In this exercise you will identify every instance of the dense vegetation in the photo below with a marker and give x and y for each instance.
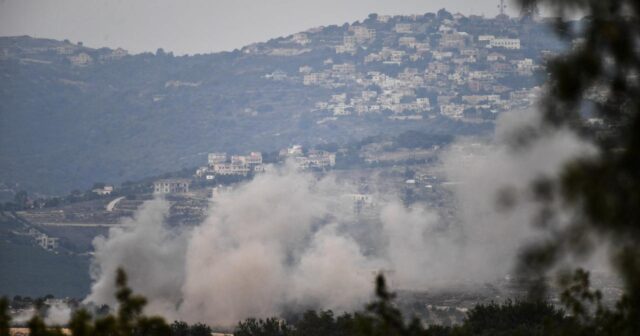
(381, 317)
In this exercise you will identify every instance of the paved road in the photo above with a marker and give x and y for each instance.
(113, 203)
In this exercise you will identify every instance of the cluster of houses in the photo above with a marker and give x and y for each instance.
(313, 159)
(445, 68)
(76, 54)
(463, 72)
(220, 164)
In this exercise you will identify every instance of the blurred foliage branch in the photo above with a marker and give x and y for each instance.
(594, 89)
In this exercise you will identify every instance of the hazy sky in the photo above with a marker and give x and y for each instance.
(201, 26)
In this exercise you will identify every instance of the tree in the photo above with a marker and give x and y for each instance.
(519, 318)
(4, 317)
(260, 327)
(602, 190)
(442, 14)
(200, 329)
(38, 328)
(81, 324)
(314, 324)
(389, 320)
(179, 328)
(128, 321)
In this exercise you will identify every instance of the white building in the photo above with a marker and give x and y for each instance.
(254, 158)
(81, 59)
(300, 38)
(453, 111)
(341, 109)
(314, 78)
(346, 68)
(403, 28)
(305, 69)
(363, 34)
(317, 160)
(295, 150)
(407, 41)
(231, 169)
(346, 49)
(214, 158)
(220, 190)
(171, 186)
(494, 57)
(423, 103)
(525, 66)
(507, 43)
(46, 242)
(486, 38)
(106, 190)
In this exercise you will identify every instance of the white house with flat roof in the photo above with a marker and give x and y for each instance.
(171, 186)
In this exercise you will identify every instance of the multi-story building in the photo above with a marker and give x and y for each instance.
(507, 43)
(316, 160)
(403, 28)
(46, 242)
(363, 34)
(214, 158)
(81, 59)
(254, 158)
(171, 186)
(231, 169)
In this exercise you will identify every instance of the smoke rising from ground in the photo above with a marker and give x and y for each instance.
(287, 240)
(58, 314)
(54, 313)
(152, 255)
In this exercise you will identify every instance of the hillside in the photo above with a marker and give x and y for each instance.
(72, 115)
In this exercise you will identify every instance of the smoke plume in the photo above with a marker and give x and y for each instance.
(288, 240)
(58, 314)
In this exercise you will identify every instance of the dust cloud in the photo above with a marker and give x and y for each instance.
(290, 240)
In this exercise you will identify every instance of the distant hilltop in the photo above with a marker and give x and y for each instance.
(73, 115)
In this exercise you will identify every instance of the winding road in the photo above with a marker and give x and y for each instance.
(113, 203)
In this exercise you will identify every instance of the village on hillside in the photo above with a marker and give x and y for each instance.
(422, 66)
(384, 70)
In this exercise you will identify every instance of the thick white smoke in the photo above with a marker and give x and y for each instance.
(58, 314)
(55, 313)
(490, 239)
(150, 253)
(288, 240)
(270, 243)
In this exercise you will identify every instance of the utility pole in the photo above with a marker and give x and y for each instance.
(501, 7)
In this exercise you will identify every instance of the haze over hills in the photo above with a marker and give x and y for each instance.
(72, 115)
